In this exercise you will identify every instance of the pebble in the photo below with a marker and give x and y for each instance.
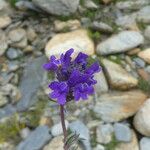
(124, 41)
(147, 32)
(99, 147)
(4, 21)
(145, 55)
(12, 53)
(142, 119)
(31, 35)
(145, 143)
(139, 62)
(3, 100)
(122, 132)
(25, 133)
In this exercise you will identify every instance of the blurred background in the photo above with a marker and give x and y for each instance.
(114, 32)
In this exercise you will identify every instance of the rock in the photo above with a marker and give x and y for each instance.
(139, 62)
(101, 86)
(116, 106)
(46, 120)
(55, 144)
(145, 55)
(57, 129)
(143, 14)
(134, 51)
(7, 111)
(118, 77)
(59, 7)
(122, 132)
(78, 40)
(142, 119)
(3, 43)
(31, 82)
(89, 4)
(133, 145)
(66, 25)
(36, 140)
(82, 130)
(12, 53)
(143, 74)
(147, 32)
(16, 35)
(99, 147)
(106, 1)
(148, 69)
(22, 44)
(7, 146)
(3, 100)
(101, 26)
(4, 21)
(145, 143)
(132, 5)
(31, 35)
(25, 133)
(104, 133)
(124, 41)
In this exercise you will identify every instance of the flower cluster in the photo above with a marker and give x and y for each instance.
(75, 79)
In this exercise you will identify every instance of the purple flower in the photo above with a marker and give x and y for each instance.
(74, 77)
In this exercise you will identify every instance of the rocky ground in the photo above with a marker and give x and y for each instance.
(114, 32)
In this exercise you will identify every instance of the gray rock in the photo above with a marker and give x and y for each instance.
(101, 26)
(122, 132)
(3, 100)
(36, 140)
(31, 82)
(148, 69)
(12, 53)
(57, 129)
(104, 133)
(116, 106)
(143, 14)
(147, 32)
(132, 5)
(3, 43)
(59, 7)
(101, 86)
(139, 62)
(145, 143)
(8, 110)
(80, 128)
(124, 41)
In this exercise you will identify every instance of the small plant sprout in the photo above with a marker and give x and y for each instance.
(75, 81)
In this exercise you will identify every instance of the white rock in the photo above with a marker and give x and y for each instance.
(118, 77)
(145, 143)
(124, 41)
(142, 119)
(4, 21)
(57, 129)
(78, 40)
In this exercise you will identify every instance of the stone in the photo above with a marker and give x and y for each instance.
(12, 53)
(31, 35)
(104, 133)
(78, 40)
(132, 5)
(145, 55)
(142, 119)
(16, 35)
(59, 7)
(99, 147)
(147, 32)
(5, 21)
(106, 1)
(143, 74)
(101, 86)
(3, 100)
(7, 146)
(66, 25)
(57, 129)
(101, 26)
(55, 144)
(134, 51)
(30, 83)
(124, 41)
(148, 69)
(7, 111)
(36, 140)
(25, 133)
(143, 15)
(89, 4)
(46, 120)
(79, 128)
(132, 145)
(118, 77)
(116, 106)
(139, 62)
(122, 132)
(3, 42)
(145, 143)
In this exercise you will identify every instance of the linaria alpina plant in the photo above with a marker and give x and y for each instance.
(75, 81)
